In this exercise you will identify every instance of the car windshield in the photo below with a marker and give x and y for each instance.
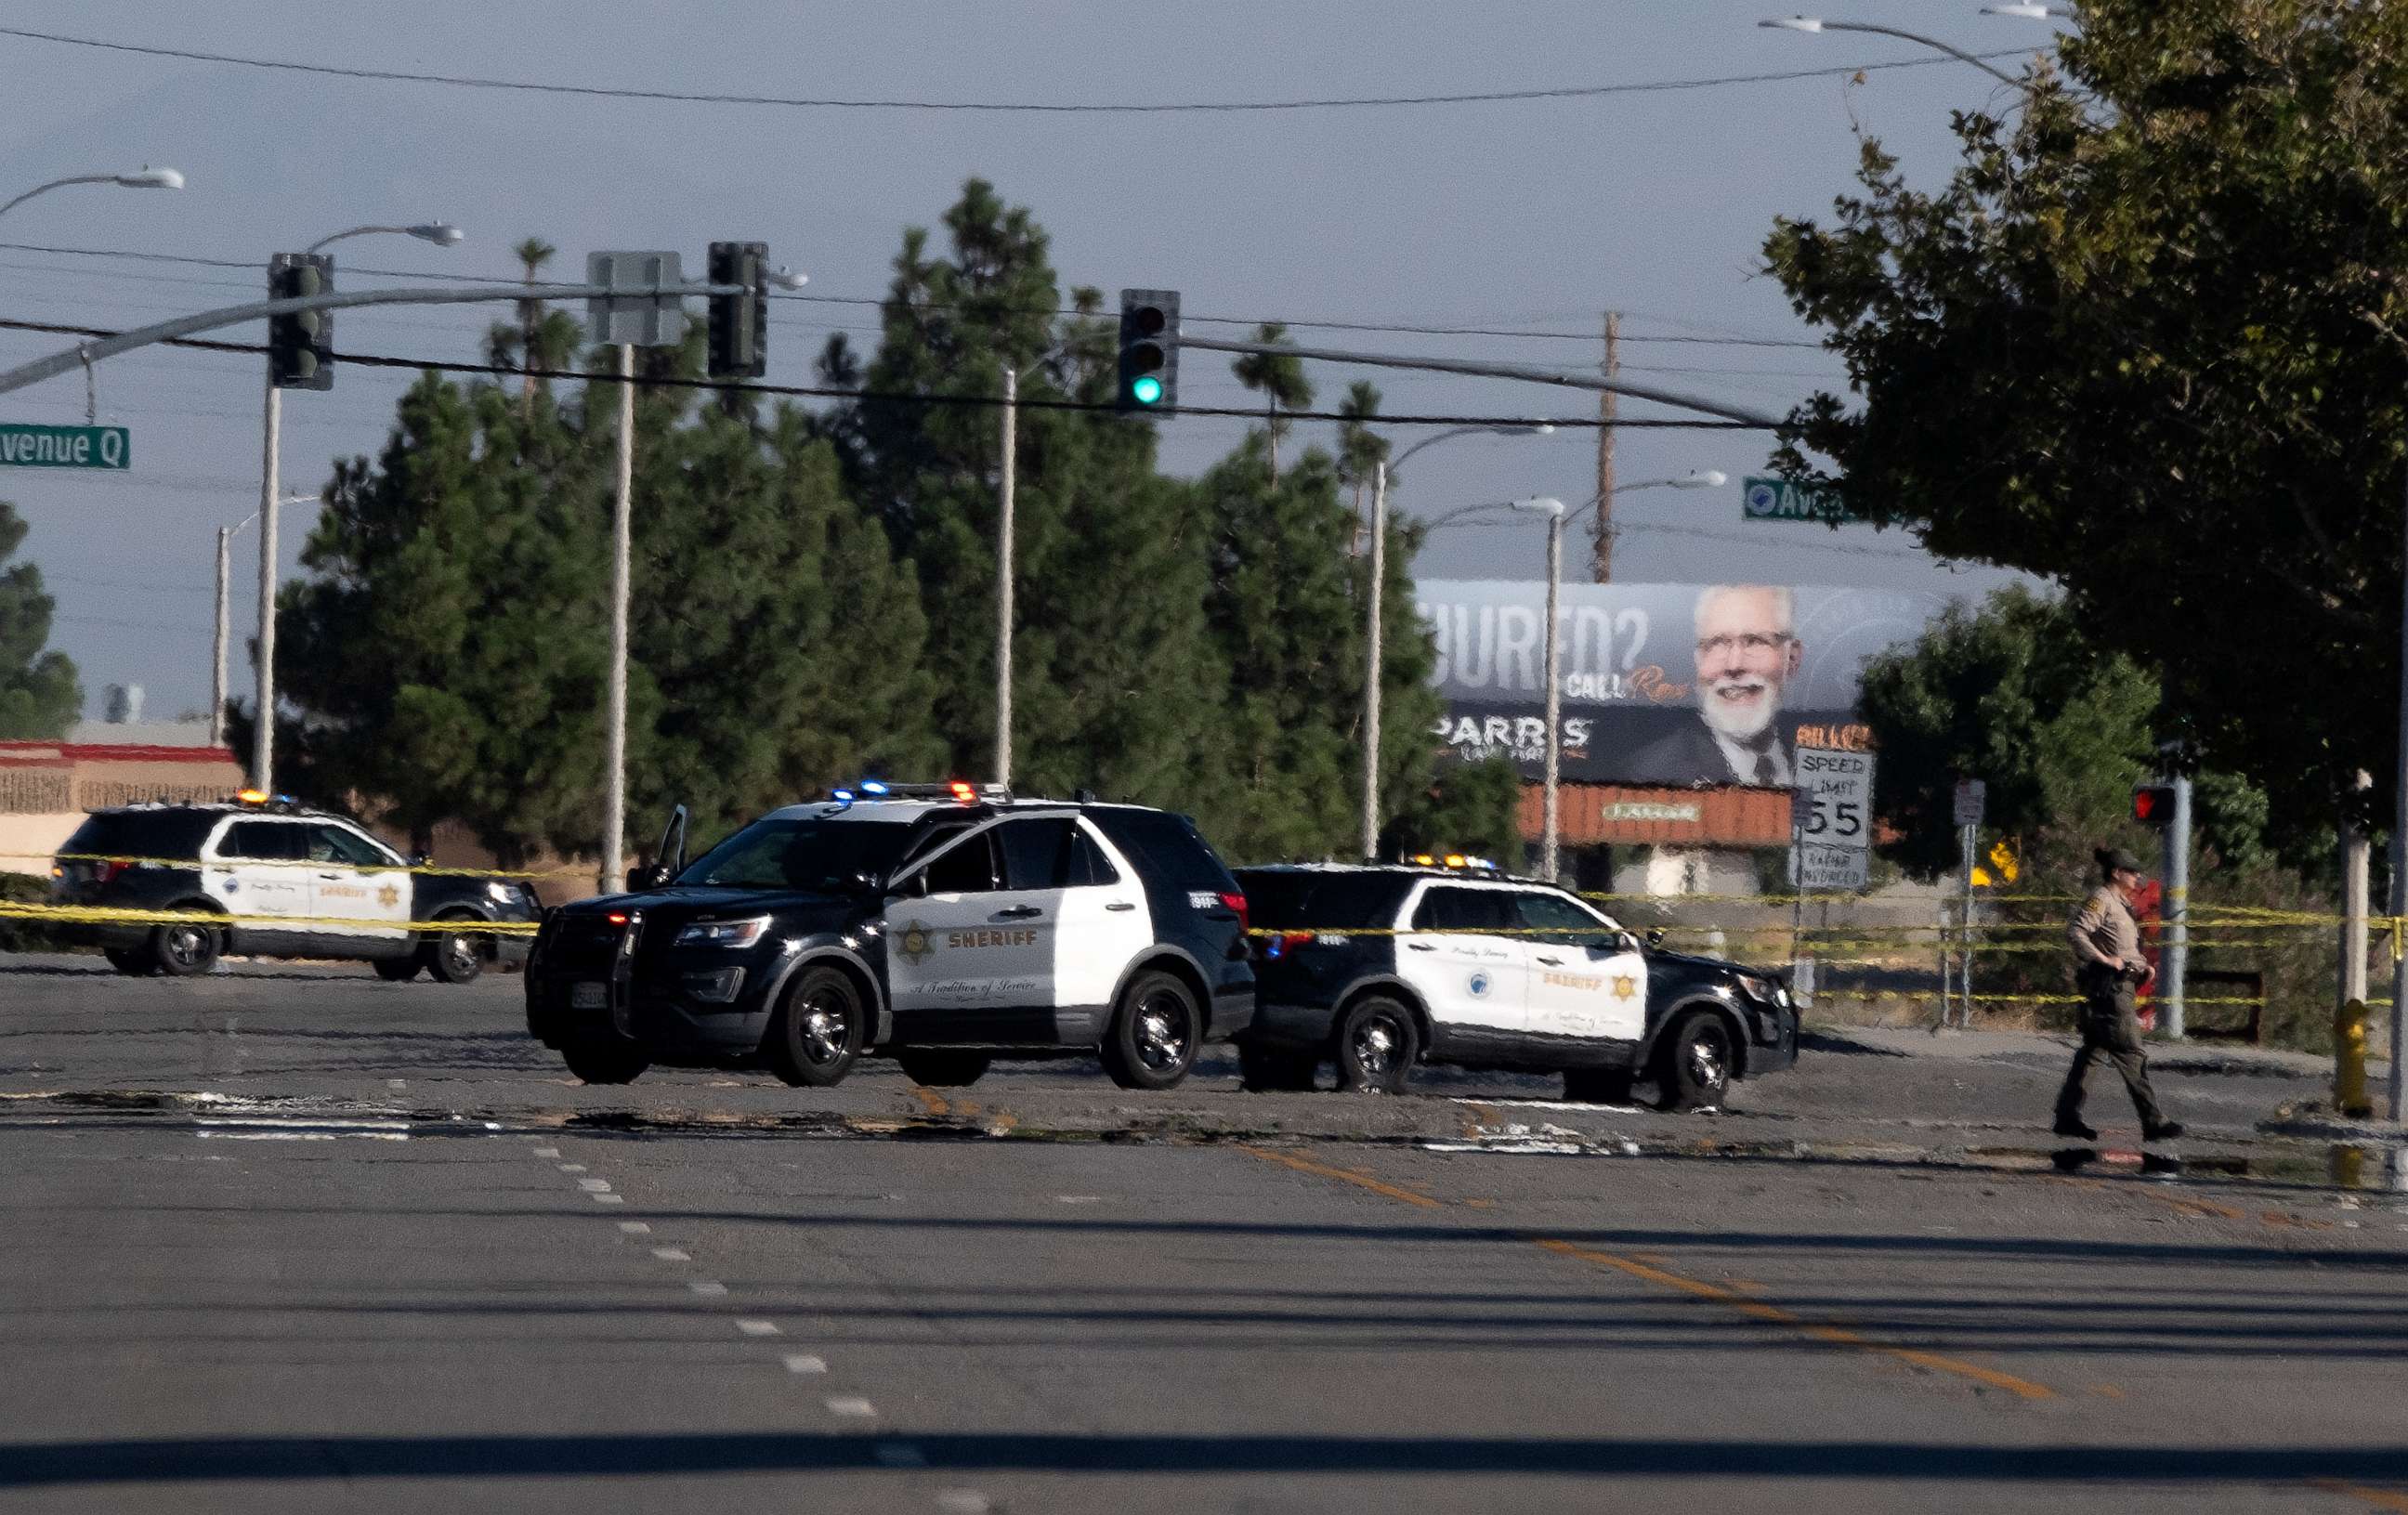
(826, 856)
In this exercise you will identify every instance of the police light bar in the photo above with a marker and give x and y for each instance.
(871, 786)
(251, 796)
(1449, 860)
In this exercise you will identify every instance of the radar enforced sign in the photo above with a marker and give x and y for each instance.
(1833, 839)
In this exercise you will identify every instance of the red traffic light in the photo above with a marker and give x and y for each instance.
(2153, 804)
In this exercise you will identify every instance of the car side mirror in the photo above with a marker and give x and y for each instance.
(650, 875)
(420, 859)
(1655, 936)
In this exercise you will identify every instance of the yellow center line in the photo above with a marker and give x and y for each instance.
(2390, 1499)
(1698, 1288)
(937, 1104)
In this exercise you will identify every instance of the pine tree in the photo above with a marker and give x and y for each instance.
(39, 696)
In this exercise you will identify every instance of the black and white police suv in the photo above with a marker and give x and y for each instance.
(1377, 966)
(942, 925)
(293, 882)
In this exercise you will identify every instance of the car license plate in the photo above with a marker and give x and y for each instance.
(588, 996)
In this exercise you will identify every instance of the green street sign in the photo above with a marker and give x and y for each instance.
(1777, 499)
(65, 446)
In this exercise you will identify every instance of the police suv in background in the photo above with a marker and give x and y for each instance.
(1375, 967)
(938, 924)
(294, 882)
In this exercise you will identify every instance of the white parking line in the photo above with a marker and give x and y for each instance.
(608, 1199)
(805, 1363)
(710, 1288)
(672, 1254)
(636, 1228)
(847, 1404)
(595, 1186)
(758, 1328)
(546, 1151)
(572, 1168)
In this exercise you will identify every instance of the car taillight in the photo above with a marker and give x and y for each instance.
(1237, 902)
(109, 868)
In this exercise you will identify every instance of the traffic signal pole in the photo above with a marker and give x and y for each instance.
(263, 735)
(611, 875)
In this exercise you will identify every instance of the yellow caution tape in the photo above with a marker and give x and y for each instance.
(108, 915)
(190, 864)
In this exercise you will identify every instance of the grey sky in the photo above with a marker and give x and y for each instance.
(1535, 216)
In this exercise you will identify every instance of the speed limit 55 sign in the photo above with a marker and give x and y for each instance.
(1832, 843)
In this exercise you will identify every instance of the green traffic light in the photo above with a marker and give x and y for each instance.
(1147, 390)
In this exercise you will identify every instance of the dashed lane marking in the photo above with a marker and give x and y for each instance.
(853, 1406)
(963, 1501)
(546, 1151)
(595, 1186)
(572, 1168)
(805, 1363)
(672, 1254)
(636, 1228)
(608, 1199)
(758, 1328)
(709, 1288)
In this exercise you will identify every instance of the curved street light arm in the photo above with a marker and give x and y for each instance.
(1878, 29)
(57, 183)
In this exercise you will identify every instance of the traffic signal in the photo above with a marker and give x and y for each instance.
(1149, 350)
(2153, 804)
(740, 323)
(301, 346)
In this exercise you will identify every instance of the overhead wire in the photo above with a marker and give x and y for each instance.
(1142, 108)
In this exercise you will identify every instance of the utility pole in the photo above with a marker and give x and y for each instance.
(609, 875)
(2354, 860)
(2177, 909)
(1372, 659)
(2395, 1086)
(262, 736)
(1603, 566)
(1003, 543)
(217, 644)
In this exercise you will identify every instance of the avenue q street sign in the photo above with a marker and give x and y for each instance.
(1777, 499)
(65, 446)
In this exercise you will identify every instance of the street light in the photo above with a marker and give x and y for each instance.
(263, 741)
(1372, 656)
(1816, 23)
(224, 631)
(2029, 13)
(1554, 511)
(1694, 478)
(145, 177)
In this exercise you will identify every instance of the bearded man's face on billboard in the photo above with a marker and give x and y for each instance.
(1745, 655)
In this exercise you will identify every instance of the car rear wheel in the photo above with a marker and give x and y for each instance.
(183, 948)
(458, 955)
(819, 1029)
(1693, 1063)
(605, 1062)
(131, 962)
(1598, 1086)
(1154, 1033)
(941, 1069)
(1375, 1046)
(1275, 1070)
(397, 970)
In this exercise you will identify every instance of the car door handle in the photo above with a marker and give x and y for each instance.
(1553, 961)
(1019, 912)
(1122, 904)
(330, 875)
(1420, 946)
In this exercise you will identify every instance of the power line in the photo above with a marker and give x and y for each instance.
(995, 106)
(889, 396)
(878, 302)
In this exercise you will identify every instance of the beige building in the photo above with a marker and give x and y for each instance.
(47, 788)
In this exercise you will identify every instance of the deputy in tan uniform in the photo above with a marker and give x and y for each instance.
(2108, 969)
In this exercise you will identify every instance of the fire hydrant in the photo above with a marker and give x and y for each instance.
(2349, 1061)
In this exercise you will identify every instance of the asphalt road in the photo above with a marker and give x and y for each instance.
(297, 1239)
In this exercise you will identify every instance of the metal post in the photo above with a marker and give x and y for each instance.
(2177, 908)
(1373, 659)
(1947, 966)
(610, 874)
(1555, 689)
(1003, 542)
(2354, 859)
(2395, 1091)
(1965, 978)
(262, 737)
(218, 639)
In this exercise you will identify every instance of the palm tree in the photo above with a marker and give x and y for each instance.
(1360, 450)
(532, 254)
(1280, 378)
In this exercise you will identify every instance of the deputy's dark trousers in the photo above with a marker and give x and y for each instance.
(2111, 1031)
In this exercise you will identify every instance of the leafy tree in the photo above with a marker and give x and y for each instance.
(2151, 340)
(1278, 378)
(1473, 807)
(39, 696)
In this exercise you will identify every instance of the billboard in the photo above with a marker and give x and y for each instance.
(1677, 685)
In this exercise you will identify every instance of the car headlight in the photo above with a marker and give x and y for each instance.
(723, 933)
(1764, 991)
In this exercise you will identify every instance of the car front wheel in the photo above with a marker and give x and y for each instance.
(1693, 1066)
(819, 1029)
(458, 955)
(1154, 1033)
(183, 948)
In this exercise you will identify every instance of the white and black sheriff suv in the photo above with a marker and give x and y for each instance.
(290, 881)
(940, 925)
(1375, 967)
